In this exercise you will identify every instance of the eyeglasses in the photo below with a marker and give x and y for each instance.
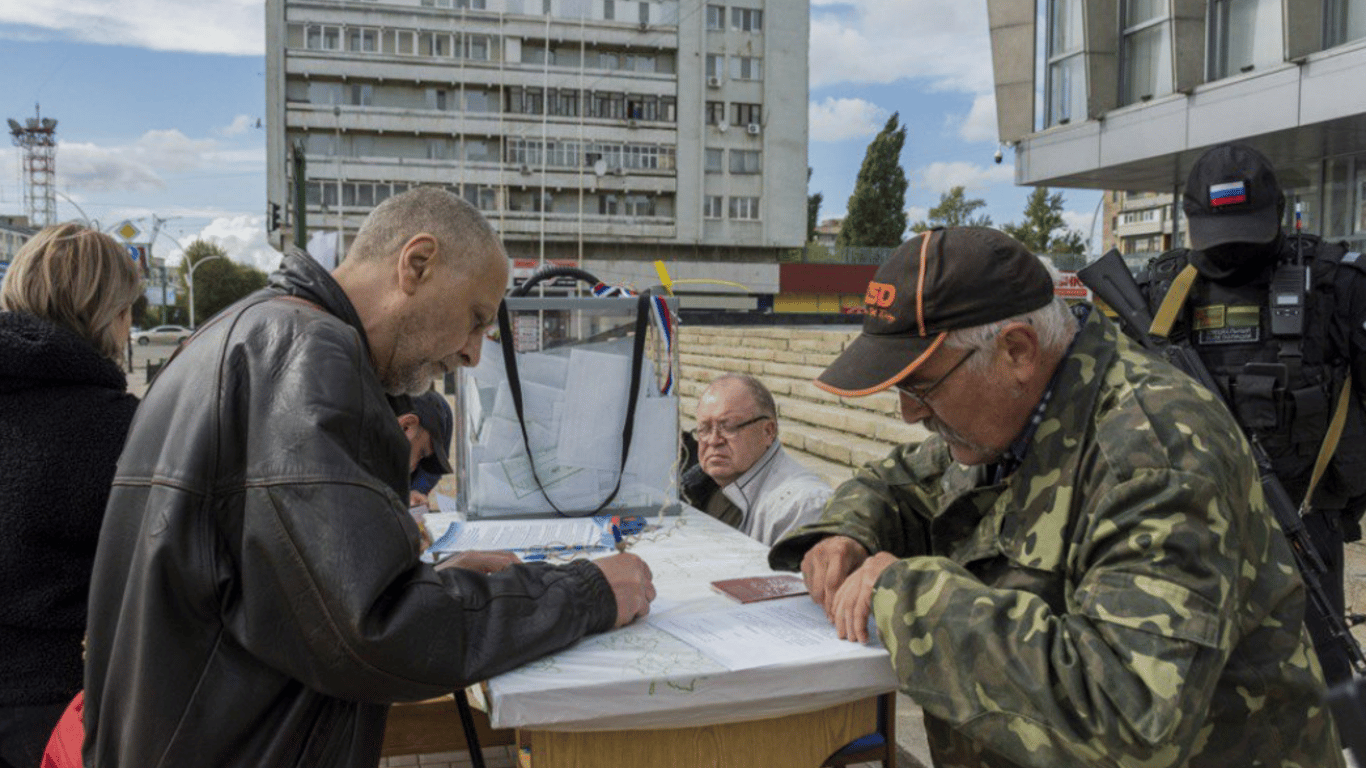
(921, 394)
(722, 429)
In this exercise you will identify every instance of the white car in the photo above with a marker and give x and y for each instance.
(162, 334)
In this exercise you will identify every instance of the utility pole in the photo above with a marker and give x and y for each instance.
(193, 267)
(300, 196)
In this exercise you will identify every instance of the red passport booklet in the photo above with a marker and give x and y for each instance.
(752, 589)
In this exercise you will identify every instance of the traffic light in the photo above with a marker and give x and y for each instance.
(274, 217)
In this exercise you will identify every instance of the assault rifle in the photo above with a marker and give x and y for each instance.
(1109, 278)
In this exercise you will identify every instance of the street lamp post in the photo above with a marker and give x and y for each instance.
(193, 267)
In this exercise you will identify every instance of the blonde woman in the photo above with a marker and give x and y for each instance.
(65, 310)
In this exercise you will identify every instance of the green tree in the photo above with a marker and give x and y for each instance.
(1043, 229)
(813, 212)
(954, 210)
(877, 208)
(217, 284)
(813, 209)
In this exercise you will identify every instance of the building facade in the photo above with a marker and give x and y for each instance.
(1126, 94)
(605, 133)
(14, 232)
(1140, 222)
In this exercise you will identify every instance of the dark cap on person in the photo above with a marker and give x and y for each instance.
(1232, 196)
(434, 414)
(939, 281)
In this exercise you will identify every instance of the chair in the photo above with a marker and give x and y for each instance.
(879, 745)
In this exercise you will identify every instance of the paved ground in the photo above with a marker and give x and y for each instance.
(913, 751)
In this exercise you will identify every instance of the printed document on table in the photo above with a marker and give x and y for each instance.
(760, 634)
(521, 535)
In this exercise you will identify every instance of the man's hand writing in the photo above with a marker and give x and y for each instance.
(854, 601)
(632, 585)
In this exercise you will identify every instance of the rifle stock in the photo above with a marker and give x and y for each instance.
(1109, 279)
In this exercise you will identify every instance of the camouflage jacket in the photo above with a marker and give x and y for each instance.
(1124, 598)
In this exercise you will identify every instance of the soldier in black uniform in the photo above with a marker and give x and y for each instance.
(1281, 369)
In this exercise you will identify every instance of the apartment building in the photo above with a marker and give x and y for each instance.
(14, 232)
(1126, 94)
(1139, 222)
(606, 133)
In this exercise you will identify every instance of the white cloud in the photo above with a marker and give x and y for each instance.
(140, 166)
(840, 119)
(943, 176)
(171, 150)
(881, 41)
(244, 238)
(101, 169)
(239, 124)
(199, 26)
(980, 124)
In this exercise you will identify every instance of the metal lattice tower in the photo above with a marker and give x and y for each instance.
(37, 137)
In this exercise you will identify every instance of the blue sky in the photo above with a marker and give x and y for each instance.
(158, 103)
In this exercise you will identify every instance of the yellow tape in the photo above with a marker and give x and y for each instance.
(664, 277)
(1172, 302)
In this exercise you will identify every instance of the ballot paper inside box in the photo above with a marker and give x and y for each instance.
(574, 362)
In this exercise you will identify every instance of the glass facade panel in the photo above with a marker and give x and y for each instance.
(1244, 35)
(1140, 11)
(1065, 94)
(1067, 90)
(1147, 63)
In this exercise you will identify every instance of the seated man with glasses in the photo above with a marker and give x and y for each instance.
(744, 478)
(1078, 568)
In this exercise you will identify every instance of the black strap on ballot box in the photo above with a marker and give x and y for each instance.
(515, 384)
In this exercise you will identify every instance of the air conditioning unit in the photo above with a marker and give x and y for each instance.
(713, 82)
(525, 169)
(753, 129)
(619, 171)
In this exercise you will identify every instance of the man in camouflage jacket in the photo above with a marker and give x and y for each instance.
(1079, 567)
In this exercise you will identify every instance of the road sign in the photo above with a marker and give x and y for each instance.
(126, 230)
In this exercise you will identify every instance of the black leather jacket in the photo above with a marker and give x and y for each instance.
(257, 597)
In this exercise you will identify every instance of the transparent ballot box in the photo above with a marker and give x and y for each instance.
(574, 363)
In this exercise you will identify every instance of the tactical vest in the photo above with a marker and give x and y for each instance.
(1283, 399)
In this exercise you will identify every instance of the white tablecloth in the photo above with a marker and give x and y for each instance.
(642, 677)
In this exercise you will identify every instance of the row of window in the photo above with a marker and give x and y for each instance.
(532, 153)
(742, 161)
(741, 114)
(739, 208)
(743, 19)
(517, 100)
(474, 149)
(568, 102)
(1140, 217)
(366, 194)
(1242, 36)
(402, 42)
(741, 67)
(594, 58)
(642, 11)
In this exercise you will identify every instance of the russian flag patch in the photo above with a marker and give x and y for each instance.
(1227, 194)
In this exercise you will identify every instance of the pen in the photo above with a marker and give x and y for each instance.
(616, 536)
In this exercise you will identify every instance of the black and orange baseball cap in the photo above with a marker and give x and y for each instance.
(938, 281)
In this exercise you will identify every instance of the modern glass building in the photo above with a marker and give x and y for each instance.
(1125, 94)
